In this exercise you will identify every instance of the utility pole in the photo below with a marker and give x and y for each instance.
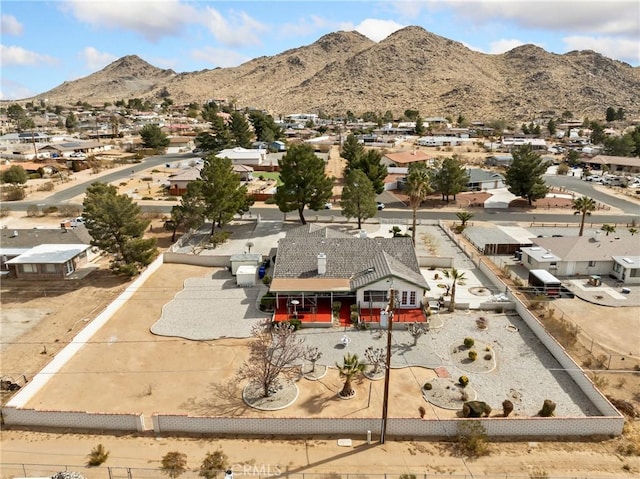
(385, 398)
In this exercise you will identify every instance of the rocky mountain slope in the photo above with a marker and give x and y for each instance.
(411, 68)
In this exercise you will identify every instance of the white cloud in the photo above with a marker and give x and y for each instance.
(10, 25)
(504, 45)
(12, 55)
(613, 47)
(95, 60)
(237, 29)
(152, 19)
(377, 29)
(12, 90)
(219, 57)
(619, 17)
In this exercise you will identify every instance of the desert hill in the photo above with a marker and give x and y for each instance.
(411, 68)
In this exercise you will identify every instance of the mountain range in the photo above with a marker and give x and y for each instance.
(410, 69)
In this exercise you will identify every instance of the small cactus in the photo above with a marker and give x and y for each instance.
(463, 381)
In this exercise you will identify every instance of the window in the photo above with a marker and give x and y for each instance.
(405, 297)
(634, 273)
(592, 264)
(412, 298)
(49, 268)
(29, 268)
(375, 296)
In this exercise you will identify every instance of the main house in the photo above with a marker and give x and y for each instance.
(318, 267)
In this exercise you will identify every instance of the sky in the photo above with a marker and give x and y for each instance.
(46, 42)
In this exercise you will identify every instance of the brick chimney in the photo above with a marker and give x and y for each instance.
(322, 263)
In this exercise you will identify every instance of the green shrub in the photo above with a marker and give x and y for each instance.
(4, 212)
(50, 210)
(296, 323)
(147, 198)
(463, 381)
(219, 238)
(267, 302)
(469, 342)
(48, 186)
(266, 280)
(97, 455)
(473, 355)
(548, 408)
(14, 193)
(335, 306)
(33, 211)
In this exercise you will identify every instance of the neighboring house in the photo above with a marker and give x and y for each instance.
(318, 266)
(180, 144)
(46, 254)
(404, 158)
(499, 160)
(244, 156)
(480, 179)
(615, 164)
(586, 255)
(178, 182)
(443, 141)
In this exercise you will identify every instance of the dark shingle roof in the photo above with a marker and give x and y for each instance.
(361, 260)
(28, 238)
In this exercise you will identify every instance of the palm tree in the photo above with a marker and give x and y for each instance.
(418, 188)
(608, 229)
(584, 206)
(464, 216)
(351, 367)
(458, 278)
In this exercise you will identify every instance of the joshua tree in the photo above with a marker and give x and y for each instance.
(464, 216)
(351, 367)
(583, 206)
(312, 354)
(457, 277)
(376, 357)
(608, 229)
(416, 330)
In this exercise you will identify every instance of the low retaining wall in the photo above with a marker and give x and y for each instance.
(513, 427)
(435, 261)
(216, 261)
(133, 422)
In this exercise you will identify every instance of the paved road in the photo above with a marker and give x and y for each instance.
(395, 209)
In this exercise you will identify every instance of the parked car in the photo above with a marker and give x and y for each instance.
(594, 178)
(328, 205)
(381, 206)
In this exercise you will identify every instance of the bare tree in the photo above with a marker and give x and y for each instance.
(416, 330)
(272, 353)
(312, 354)
(375, 357)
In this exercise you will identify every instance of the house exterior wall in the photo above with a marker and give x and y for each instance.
(400, 287)
(48, 271)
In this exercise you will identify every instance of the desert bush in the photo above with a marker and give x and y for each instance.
(469, 342)
(146, 198)
(213, 463)
(473, 355)
(463, 381)
(407, 476)
(48, 186)
(548, 408)
(33, 211)
(599, 381)
(488, 356)
(296, 323)
(267, 302)
(266, 280)
(97, 455)
(49, 210)
(69, 210)
(471, 440)
(219, 238)
(174, 464)
(538, 473)
(422, 412)
(507, 407)
(14, 193)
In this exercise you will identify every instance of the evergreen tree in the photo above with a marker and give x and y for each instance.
(611, 114)
(239, 129)
(370, 163)
(620, 114)
(304, 181)
(451, 178)
(153, 137)
(358, 197)
(216, 140)
(115, 223)
(552, 127)
(351, 151)
(619, 146)
(218, 194)
(524, 176)
(419, 129)
(71, 122)
(597, 133)
(265, 127)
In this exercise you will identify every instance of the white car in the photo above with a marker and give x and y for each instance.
(594, 179)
